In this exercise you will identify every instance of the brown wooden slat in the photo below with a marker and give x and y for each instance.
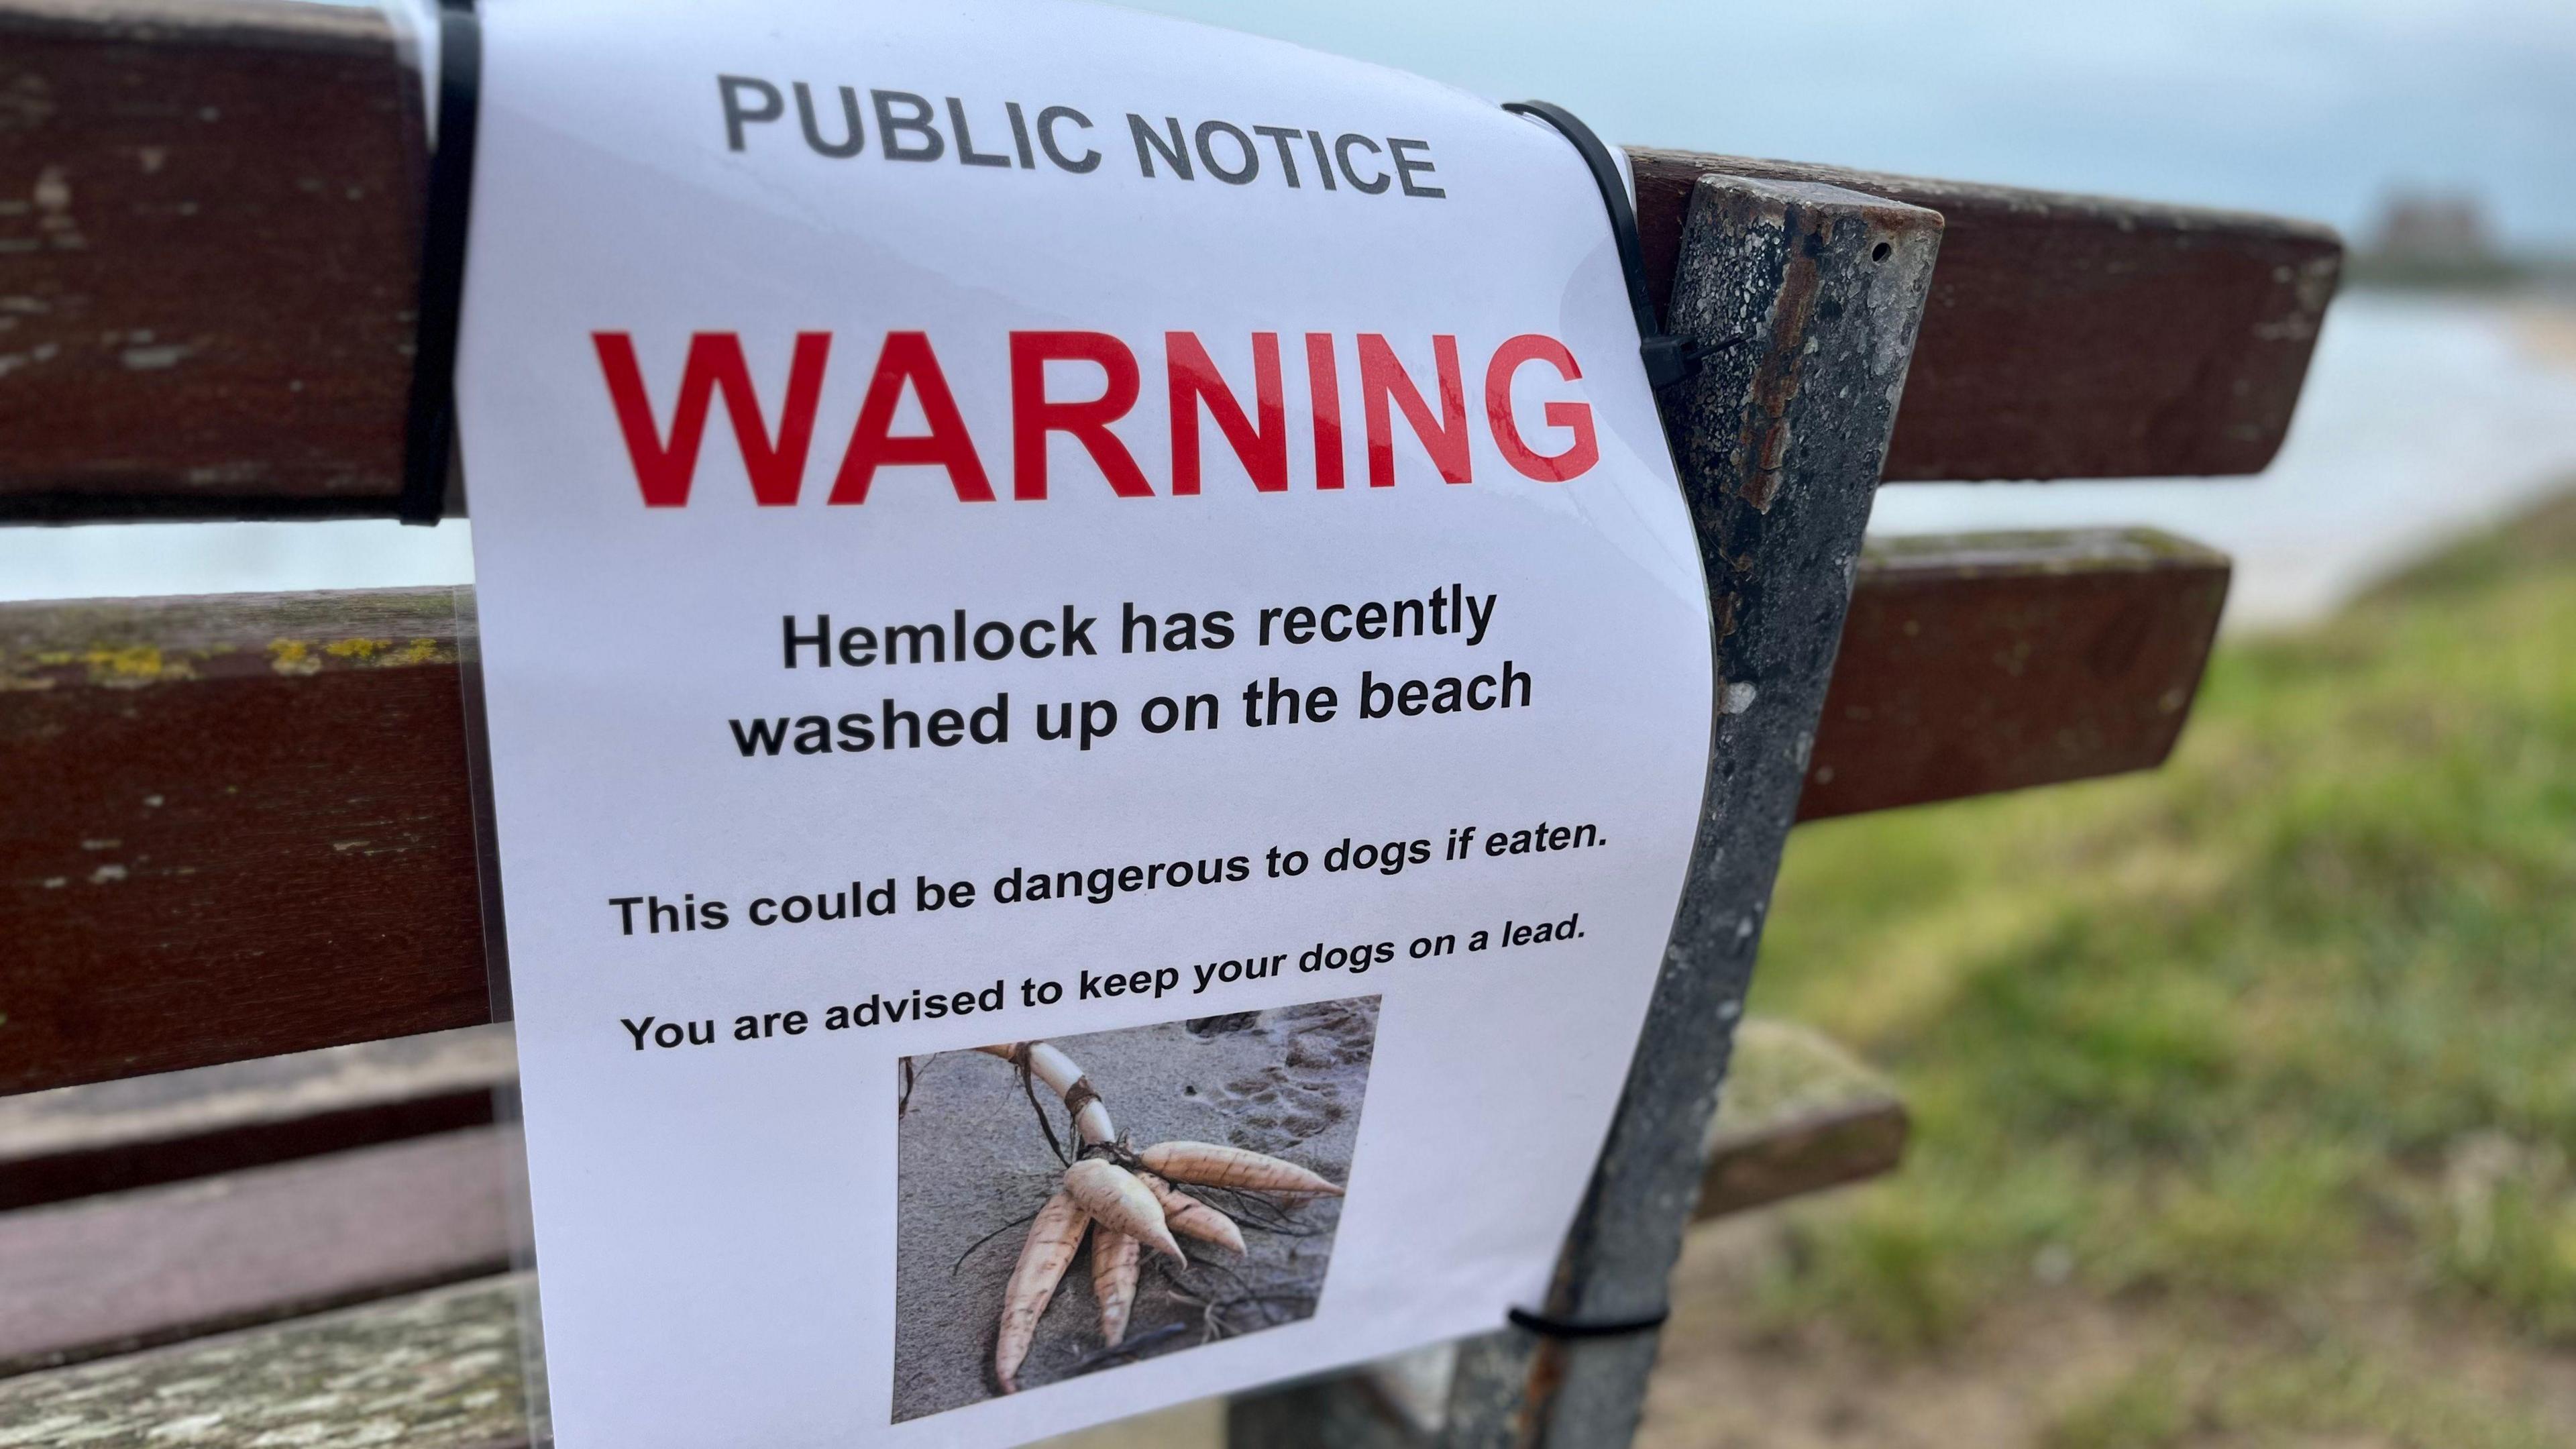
(240, 826)
(1798, 1115)
(207, 258)
(1972, 665)
(112, 1274)
(2075, 336)
(109, 1274)
(145, 1131)
(233, 828)
(211, 250)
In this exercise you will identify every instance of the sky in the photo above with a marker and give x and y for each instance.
(2310, 108)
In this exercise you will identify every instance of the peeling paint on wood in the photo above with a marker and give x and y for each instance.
(239, 750)
(175, 283)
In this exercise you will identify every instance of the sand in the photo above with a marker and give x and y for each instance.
(972, 1161)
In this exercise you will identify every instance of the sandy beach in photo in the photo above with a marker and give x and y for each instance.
(975, 1170)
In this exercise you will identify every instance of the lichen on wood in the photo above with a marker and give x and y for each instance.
(436, 1370)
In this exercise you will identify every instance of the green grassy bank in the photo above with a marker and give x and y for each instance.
(2271, 1054)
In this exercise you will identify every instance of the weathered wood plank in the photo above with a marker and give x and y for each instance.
(1977, 664)
(235, 828)
(209, 239)
(240, 826)
(103, 1275)
(436, 1370)
(209, 309)
(2075, 336)
(144, 1131)
(81, 1282)
(1798, 1115)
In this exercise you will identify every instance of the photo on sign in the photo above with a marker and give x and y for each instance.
(1069, 1205)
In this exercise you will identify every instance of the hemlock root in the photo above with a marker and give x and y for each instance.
(1043, 1259)
(1114, 1261)
(1125, 1202)
(1207, 1164)
(1112, 1195)
(1091, 1119)
(1191, 1217)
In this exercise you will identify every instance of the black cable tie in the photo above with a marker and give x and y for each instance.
(429, 426)
(1546, 1327)
(1668, 359)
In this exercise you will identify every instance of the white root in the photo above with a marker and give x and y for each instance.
(1044, 1256)
(1114, 1261)
(1112, 1194)
(1206, 1164)
(1124, 1212)
(1190, 1217)
(1057, 1070)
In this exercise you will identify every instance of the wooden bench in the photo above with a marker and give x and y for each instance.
(241, 827)
(243, 823)
(95, 1279)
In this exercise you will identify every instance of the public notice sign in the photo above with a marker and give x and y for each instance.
(1098, 692)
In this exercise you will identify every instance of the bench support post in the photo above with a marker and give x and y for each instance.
(1809, 297)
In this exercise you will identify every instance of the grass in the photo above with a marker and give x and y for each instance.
(2286, 1027)
(2332, 1392)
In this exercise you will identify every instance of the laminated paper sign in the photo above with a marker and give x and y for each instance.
(1098, 692)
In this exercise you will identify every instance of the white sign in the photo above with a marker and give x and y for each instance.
(1012, 523)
